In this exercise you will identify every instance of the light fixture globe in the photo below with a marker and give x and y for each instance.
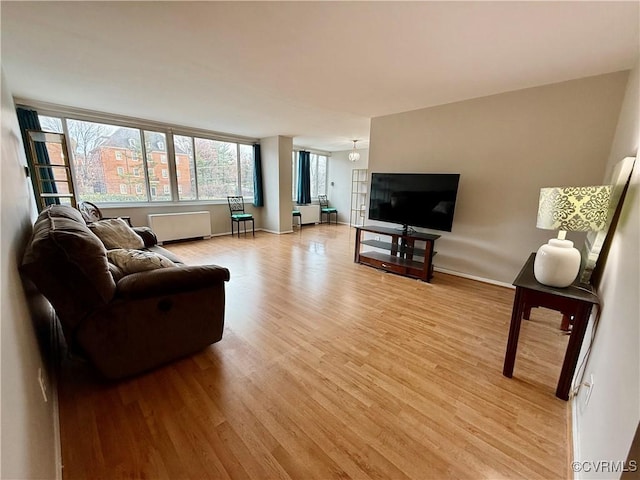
(354, 155)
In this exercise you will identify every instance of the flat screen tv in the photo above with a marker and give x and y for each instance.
(425, 200)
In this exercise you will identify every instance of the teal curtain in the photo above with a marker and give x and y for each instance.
(304, 178)
(258, 197)
(28, 120)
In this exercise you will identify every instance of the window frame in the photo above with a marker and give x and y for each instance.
(64, 114)
(315, 155)
(193, 163)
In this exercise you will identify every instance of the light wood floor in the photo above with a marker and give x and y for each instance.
(329, 369)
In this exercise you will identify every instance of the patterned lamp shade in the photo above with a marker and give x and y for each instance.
(574, 209)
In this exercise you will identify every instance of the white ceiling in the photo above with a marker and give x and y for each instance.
(317, 71)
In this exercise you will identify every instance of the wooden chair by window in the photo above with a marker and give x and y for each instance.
(236, 208)
(91, 213)
(325, 209)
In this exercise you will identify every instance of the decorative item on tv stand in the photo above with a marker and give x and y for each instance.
(574, 209)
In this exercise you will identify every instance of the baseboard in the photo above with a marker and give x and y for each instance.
(276, 233)
(474, 277)
(235, 233)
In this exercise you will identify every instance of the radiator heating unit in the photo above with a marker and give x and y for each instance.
(180, 226)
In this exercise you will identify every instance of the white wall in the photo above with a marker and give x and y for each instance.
(220, 215)
(606, 426)
(339, 186)
(285, 149)
(28, 439)
(506, 147)
(276, 176)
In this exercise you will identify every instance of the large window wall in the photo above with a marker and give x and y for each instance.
(119, 163)
(318, 173)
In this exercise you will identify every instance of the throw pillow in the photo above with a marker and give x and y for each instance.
(115, 233)
(133, 261)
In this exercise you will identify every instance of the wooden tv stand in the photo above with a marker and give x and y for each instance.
(402, 250)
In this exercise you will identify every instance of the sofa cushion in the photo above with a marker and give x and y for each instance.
(68, 264)
(133, 261)
(115, 233)
(166, 253)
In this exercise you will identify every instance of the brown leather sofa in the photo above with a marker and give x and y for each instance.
(123, 324)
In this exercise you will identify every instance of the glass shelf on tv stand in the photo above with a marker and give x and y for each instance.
(402, 252)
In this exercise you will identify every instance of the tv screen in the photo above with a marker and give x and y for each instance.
(414, 199)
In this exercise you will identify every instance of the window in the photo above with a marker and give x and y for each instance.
(156, 155)
(318, 173)
(97, 177)
(246, 170)
(294, 175)
(50, 124)
(216, 169)
(185, 167)
(212, 169)
(117, 164)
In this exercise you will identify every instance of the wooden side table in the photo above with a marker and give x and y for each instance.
(573, 302)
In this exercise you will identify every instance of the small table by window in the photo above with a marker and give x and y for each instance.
(574, 302)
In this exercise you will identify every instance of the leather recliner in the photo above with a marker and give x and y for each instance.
(123, 324)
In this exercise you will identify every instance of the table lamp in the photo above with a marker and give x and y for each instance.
(573, 209)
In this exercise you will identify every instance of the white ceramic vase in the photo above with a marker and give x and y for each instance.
(557, 263)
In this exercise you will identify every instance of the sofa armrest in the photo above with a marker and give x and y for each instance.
(166, 281)
(148, 237)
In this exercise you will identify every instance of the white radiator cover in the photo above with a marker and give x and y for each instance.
(309, 213)
(179, 226)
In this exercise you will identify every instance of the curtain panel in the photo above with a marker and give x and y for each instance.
(303, 196)
(258, 196)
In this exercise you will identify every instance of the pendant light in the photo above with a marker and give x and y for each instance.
(354, 155)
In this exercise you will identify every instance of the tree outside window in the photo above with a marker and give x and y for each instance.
(94, 151)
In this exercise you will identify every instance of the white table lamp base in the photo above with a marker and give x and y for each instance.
(557, 263)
